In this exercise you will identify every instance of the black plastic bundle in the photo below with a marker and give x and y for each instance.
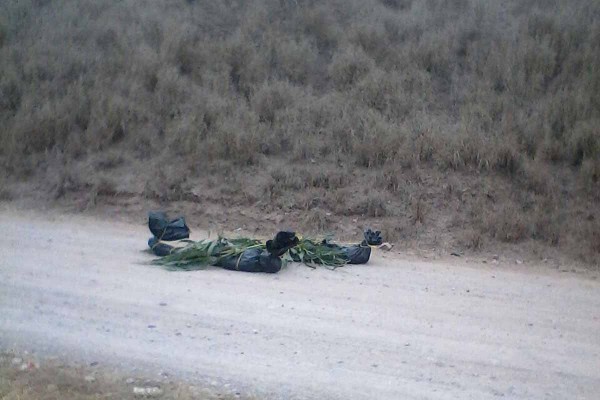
(259, 259)
(166, 230)
(359, 253)
(228, 254)
(249, 255)
(253, 260)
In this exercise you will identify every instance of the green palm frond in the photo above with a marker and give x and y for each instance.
(204, 253)
(312, 253)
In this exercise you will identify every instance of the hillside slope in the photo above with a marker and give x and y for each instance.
(463, 123)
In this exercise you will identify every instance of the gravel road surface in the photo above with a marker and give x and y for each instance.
(81, 288)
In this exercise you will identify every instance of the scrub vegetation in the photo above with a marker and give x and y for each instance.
(464, 122)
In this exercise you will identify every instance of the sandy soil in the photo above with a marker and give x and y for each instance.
(82, 288)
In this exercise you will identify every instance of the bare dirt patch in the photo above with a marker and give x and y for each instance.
(26, 377)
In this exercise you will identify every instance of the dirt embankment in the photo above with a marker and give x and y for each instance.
(456, 125)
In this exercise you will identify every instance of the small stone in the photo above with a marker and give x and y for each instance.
(495, 257)
(24, 367)
(519, 262)
(93, 363)
(147, 391)
(17, 361)
(162, 304)
(455, 254)
(151, 326)
(385, 246)
(90, 378)
(129, 381)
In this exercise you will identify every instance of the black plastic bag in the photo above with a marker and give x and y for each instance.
(166, 230)
(359, 253)
(373, 238)
(282, 242)
(252, 260)
(260, 260)
(160, 249)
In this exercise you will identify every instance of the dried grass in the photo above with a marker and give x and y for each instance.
(349, 95)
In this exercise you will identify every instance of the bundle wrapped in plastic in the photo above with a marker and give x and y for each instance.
(249, 255)
(335, 255)
(168, 230)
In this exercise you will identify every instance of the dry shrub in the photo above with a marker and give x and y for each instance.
(63, 180)
(590, 175)
(166, 184)
(348, 67)
(585, 142)
(103, 187)
(389, 179)
(272, 98)
(319, 25)
(317, 221)
(472, 239)
(3, 32)
(396, 229)
(592, 253)
(383, 92)
(419, 209)
(296, 60)
(537, 177)
(10, 93)
(506, 224)
(373, 206)
(110, 160)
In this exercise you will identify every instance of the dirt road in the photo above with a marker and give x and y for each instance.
(394, 329)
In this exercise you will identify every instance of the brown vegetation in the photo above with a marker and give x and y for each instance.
(476, 120)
